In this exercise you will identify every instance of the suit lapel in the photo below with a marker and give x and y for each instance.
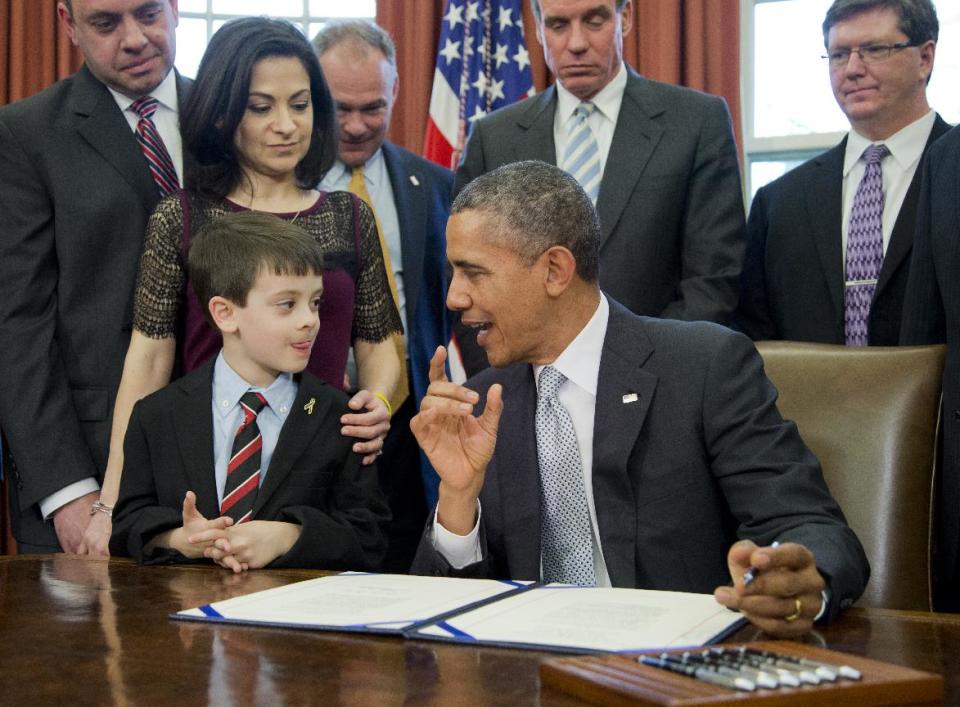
(193, 422)
(535, 141)
(624, 394)
(296, 435)
(634, 139)
(825, 208)
(104, 127)
(412, 217)
(901, 239)
(518, 473)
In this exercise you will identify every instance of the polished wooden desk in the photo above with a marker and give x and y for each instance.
(81, 631)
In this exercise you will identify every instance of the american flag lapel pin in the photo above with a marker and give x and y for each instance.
(630, 398)
(309, 406)
(414, 181)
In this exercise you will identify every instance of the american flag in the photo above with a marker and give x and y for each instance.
(482, 64)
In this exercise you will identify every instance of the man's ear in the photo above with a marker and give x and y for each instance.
(561, 268)
(626, 18)
(68, 22)
(223, 312)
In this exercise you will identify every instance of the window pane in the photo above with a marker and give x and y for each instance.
(792, 94)
(274, 8)
(191, 42)
(942, 92)
(192, 6)
(314, 28)
(763, 171)
(339, 8)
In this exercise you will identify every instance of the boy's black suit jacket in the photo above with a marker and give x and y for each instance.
(314, 478)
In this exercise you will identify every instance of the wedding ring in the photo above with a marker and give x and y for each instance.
(798, 609)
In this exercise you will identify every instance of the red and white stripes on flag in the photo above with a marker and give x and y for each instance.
(482, 64)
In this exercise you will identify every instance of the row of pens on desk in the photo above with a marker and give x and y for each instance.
(748, 669)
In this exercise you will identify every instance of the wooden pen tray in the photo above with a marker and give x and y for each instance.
(621, 680)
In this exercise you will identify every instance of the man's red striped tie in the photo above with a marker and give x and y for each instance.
(243, 470)
(161, 166)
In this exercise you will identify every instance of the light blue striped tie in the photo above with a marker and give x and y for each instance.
(582, 156)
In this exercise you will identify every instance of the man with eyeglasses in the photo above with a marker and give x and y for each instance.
(829, 243)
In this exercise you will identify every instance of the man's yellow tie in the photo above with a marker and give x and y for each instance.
(359, 187)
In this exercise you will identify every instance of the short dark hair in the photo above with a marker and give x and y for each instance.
(538, 206)
(229, 252)
(918, 18)
(535, 6)
(218, 98)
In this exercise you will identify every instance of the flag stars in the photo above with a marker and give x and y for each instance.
(522, 57)
(505, 20)
(472, 13)
(454, 15)
(477, 114)
(451, 51)
(500, 56)
(495, 91)
(480, 84)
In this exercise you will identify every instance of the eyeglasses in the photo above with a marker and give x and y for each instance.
(871, 54)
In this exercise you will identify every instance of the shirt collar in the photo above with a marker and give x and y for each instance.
(229, 386)
(370, 169)
(580, 361)
(165, 93)
(906, 145)
(607, 101)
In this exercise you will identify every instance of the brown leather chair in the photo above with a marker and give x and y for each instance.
(871, 416)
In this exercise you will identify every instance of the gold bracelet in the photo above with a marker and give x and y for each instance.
(99, 507)
(385, 402)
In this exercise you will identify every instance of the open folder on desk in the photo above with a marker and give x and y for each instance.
(480, 611)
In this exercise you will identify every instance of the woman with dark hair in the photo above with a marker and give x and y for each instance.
(259, 130)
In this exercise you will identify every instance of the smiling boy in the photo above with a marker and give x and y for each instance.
(242, 461)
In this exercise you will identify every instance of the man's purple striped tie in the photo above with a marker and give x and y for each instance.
(161, 166)
(864, 248)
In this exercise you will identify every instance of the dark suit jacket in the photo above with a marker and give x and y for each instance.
(701, 459)
(422, 194)
(670, 203)
(931, 315)
(792, 283)
(314, 478)
(75, 194)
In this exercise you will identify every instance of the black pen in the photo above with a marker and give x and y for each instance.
(751, 573)
(700, 673)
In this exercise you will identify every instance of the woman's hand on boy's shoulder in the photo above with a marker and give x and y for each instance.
(369, 423)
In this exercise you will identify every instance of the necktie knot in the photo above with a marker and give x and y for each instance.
(584, 110)
(254, 402)
(875, 153)
(549, 383)
(145, 107)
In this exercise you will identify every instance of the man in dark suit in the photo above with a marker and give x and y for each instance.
(931, 315)
(76, 192)
(669, 199)
(411, 199)
(794, 285)
(660, 448)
